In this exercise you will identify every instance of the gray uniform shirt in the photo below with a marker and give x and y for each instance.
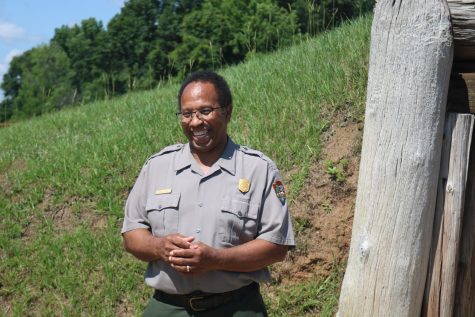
(239, 200)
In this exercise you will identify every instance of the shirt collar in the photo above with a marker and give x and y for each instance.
(227, 160)
(184, 158)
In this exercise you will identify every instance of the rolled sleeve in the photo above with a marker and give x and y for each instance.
(135, 211)
(276, 225)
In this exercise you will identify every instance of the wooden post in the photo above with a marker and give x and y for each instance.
(465, 291)
(410, 61)
(462, 99)
(441, 282)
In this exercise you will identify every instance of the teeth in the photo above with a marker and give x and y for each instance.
(200, 133)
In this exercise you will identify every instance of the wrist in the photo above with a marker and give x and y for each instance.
(157, 245)
(218, 259)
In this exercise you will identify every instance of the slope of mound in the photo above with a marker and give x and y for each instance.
(308, 281)
(324, 207)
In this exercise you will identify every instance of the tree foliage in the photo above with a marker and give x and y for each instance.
(153, 40)
(315, 16)
(41, 82)
(87, 49)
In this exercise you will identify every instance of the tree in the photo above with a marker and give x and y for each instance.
(315, 16)
(44, 82)
(206, 33)
(6, 110)
(224, 32)
(132, 35)
(86, 46)
(11, 83)
(269, 27)
(169, 35)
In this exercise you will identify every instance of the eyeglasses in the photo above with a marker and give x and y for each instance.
(200, 114)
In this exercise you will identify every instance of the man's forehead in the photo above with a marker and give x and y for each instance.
(199, 90)
(200, 83)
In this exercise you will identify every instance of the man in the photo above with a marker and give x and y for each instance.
(209, 216)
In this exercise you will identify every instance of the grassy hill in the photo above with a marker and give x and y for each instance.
(64, 177)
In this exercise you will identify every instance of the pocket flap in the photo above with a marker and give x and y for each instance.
(240, 208)
(160, 202)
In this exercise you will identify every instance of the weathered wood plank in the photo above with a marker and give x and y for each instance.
(410, 61)
(439, 297)
(463, 24)
(465, 290)
(462, 13)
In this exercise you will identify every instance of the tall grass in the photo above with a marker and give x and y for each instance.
(64, 177)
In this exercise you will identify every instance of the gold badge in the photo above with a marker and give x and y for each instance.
(244, 185)
(163, 191)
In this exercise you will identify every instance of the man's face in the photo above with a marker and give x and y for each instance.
(208, 133)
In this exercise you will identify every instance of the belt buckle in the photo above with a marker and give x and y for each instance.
(190, 302)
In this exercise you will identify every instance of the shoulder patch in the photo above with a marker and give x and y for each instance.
(168, 149)
(279, 191)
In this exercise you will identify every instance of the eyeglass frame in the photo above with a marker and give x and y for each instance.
(197, 113)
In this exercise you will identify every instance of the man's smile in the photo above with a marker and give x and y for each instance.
(201, 136)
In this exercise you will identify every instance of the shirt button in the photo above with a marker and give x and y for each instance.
(159, 206)
(200, 204)
(198, 230)
(240, 214)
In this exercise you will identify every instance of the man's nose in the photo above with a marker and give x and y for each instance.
(195, 119)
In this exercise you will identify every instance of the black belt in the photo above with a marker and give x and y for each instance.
(199, 301)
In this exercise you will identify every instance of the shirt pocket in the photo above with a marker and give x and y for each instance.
(238, 220)
(162, 211)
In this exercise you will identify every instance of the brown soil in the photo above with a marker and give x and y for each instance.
(323, 212)
(64, 216)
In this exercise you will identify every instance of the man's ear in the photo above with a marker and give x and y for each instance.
(229, 112)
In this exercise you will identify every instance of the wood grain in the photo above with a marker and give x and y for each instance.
(440, 293)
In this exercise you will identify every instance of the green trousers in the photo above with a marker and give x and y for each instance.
(250, 305)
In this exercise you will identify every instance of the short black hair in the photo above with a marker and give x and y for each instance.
(207, 76)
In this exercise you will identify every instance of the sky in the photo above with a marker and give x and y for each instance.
(25, 24)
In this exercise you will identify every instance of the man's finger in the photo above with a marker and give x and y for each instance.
(182, 253)
(183, 242)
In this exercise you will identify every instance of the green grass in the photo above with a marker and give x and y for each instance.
(64, 177)
(317, 297)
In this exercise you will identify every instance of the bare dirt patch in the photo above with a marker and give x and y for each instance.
(323, 212)
(123, 307)
(6, 306)
(16, 166)
(64, 216)
(4, 183)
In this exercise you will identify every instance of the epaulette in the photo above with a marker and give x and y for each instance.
(253, 152)
(250, 151)
(168, 149)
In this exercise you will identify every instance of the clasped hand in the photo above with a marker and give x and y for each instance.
(186, 256)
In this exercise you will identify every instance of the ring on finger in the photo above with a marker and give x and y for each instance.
(188, 268)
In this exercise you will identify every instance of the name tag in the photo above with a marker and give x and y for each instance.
(163, 191)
